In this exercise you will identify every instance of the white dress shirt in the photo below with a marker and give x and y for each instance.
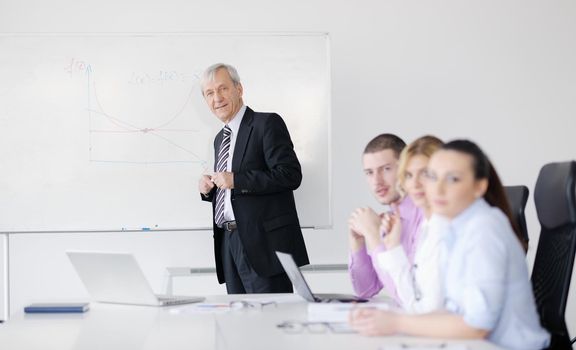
(234, 125)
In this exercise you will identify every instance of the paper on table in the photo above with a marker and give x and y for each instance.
(201, 308)
(242, 302)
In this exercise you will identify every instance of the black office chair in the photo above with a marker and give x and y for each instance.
(555, 198)
(517, 197)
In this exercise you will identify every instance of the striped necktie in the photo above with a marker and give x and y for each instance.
(221, 166)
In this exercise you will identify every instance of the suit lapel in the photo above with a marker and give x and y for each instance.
(242, 139)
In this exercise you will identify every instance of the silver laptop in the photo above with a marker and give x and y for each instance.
(302, 288)
(117, 278)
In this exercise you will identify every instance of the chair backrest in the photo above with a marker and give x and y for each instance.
(555, 198)
(517, 198)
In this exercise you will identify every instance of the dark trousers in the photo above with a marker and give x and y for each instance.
(239, 275)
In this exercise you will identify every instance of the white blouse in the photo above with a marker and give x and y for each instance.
(486, 279)
(419, 285)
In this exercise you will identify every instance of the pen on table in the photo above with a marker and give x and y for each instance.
(212, 305)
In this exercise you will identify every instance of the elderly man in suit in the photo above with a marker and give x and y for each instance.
(251, 190)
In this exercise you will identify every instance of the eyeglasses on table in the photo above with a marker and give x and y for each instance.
(251, 305)
(295, 327)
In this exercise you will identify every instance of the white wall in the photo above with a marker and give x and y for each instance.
(496, 71)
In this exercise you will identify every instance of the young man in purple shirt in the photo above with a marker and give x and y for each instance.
(380, 162)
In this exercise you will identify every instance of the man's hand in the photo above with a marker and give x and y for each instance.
(356, 240)
(223, 180)
(205, 184)
(365, 222)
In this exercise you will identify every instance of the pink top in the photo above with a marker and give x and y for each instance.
(367, 277)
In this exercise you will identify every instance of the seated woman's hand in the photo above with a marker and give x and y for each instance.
(392, 225)
(373, 322)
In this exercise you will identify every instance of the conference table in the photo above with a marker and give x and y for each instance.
(250, 323)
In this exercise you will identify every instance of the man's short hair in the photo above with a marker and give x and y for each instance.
(209, 73)
(385, 141)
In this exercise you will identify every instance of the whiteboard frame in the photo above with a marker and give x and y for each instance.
(327, 226)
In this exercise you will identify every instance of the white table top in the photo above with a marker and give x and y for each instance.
(108, 326)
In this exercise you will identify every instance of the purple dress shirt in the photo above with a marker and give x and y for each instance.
(367, 277)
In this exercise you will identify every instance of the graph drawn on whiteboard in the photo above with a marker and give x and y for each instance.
(129, 130)
(105, 132)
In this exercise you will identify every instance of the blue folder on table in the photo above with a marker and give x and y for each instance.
(57, 307)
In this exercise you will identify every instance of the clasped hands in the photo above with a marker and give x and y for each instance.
(223, 180)
(366, 227)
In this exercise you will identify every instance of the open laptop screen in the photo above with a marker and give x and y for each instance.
(295, 276)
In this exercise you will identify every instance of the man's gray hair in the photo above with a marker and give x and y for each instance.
(209, 73)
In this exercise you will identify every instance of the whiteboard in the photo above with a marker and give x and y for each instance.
(111, 133)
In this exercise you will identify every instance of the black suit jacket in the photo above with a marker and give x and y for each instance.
(266, 172)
